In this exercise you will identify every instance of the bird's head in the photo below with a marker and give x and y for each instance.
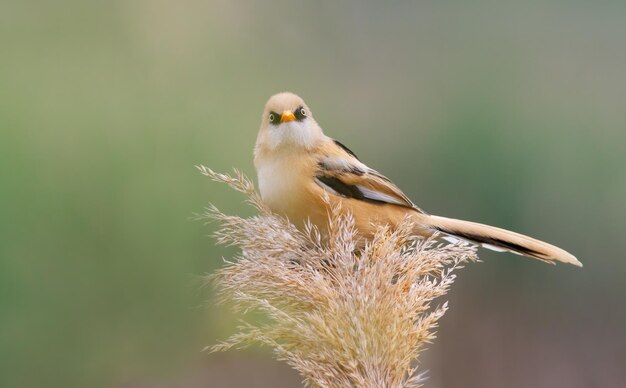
(287, 122)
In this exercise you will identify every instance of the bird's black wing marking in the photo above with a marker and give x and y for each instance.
(354, 180)
(345, 190)
(348, 150)
(351, 178)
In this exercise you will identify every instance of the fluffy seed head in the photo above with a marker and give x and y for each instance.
(340, 316)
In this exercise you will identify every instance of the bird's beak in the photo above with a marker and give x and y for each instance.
(287, 116)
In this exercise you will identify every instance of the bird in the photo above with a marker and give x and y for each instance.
(302, 173)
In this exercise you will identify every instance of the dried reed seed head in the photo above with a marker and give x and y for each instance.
(339, 314)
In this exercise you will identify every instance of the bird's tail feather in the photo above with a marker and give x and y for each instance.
(500, 239)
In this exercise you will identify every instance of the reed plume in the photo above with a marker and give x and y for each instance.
(340, 314)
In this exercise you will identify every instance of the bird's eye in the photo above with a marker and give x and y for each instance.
(274, 118)
(300, 113)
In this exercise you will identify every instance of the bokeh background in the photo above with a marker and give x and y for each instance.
(509, 113)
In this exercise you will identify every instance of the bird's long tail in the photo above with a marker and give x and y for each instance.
(499, 239)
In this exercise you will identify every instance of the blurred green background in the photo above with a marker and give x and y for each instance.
(509, 113)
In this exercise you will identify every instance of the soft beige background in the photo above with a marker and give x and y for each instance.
(510, 113)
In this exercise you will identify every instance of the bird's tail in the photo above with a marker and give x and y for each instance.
(499, 239)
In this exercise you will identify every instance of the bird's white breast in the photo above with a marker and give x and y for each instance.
(279, 182)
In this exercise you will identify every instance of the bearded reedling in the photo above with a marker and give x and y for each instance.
(302, 172)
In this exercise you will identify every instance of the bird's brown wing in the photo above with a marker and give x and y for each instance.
(341, 173)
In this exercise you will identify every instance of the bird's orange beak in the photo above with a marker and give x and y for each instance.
(287, 116)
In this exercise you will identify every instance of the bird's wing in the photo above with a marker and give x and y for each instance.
(341, 173)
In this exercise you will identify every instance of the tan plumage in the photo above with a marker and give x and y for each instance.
(297, 166)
